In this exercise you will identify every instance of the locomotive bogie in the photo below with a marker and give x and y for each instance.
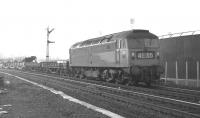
(113, 75)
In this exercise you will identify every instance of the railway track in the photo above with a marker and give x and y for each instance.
(180, 90)
(180, 94)
(166, 92)
(146, 102)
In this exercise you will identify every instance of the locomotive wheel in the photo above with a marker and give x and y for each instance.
(110, 78)
(128, 83)
(120, 78)
(105, 75)
(135, 80)
(81, 76)
(100, 77)
(135, 83)
(148, 83)
(125, 82)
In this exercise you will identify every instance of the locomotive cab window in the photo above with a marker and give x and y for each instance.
(121, 44)
(139, 43)
(151, 42)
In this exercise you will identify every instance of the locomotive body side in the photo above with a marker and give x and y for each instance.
(101, 55)
(80, 56)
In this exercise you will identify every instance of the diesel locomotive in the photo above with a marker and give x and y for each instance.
(127, 57)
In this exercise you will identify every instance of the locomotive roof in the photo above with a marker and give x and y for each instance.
(130, 34)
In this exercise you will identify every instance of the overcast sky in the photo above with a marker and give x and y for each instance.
(23, 23)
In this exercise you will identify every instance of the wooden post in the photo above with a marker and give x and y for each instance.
(197, 73)
(165, 71)
(186, 73)
(176, 72)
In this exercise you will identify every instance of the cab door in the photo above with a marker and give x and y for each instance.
(118, 52)
(123, 53)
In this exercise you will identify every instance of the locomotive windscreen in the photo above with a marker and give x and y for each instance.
(140, 43)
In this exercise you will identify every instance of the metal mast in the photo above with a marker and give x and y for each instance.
(132, 21)
(48, 42)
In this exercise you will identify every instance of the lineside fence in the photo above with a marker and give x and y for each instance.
(180, 56)
(182, 73)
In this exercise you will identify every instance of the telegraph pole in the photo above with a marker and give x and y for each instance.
(48, 42)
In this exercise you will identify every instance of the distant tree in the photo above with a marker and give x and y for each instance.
(30, 59)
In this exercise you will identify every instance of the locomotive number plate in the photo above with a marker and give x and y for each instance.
(145, 55)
